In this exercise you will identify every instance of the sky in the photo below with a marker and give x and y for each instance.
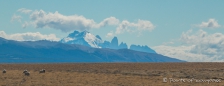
(190, 30)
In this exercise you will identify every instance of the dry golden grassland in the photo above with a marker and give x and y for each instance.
(114, 74)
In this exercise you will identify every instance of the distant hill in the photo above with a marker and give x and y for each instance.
(87, 39)
(56, 52)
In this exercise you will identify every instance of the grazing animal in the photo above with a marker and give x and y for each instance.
(42, 71)
(27, 73)
(4, 71)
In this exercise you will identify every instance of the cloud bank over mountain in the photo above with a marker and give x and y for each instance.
(65, 23)
(29, 36)
(196, 47)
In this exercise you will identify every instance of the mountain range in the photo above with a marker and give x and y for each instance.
(44, 51)
(87, 39)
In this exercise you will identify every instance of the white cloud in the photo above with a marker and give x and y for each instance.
(168, 43)
(29, 36)
(110, 34)
(3, 34)
(182, 53)
(25, 24)
(211, 23)
(211, 45)
(199, 46)
(16, 18)
(123, 27)
(141, 25)
(24, 10)
(144, 25)
(202, 37)
(41, 19)
(109, 21)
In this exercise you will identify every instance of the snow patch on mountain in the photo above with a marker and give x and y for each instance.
(83, 38)
(92, 40)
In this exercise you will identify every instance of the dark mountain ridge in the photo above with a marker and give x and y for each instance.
(55, 52)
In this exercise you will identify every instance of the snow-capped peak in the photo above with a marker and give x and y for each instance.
(83, 38)
(92, 40)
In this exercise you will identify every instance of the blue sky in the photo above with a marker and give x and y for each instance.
(171, 27)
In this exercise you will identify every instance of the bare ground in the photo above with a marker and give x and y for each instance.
(114, 74)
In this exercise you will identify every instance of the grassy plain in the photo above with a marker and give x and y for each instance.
(113, 74)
